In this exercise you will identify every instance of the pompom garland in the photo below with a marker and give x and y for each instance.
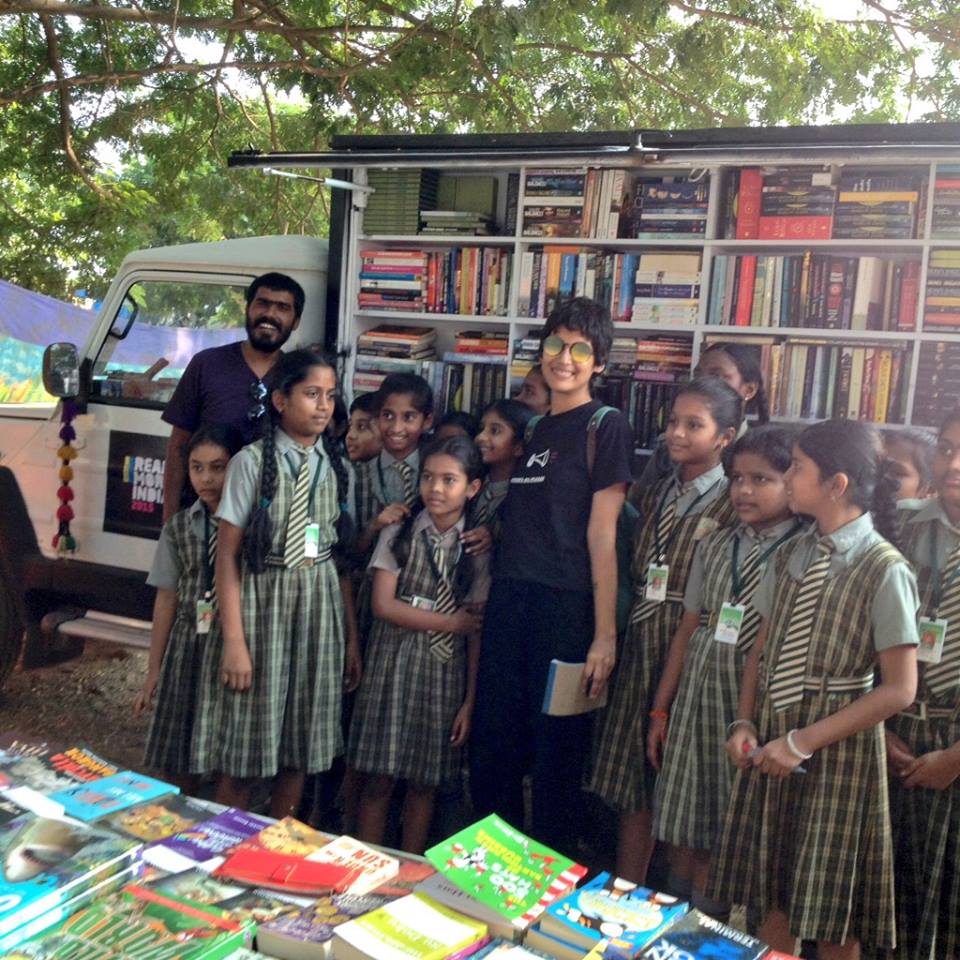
(63, 540)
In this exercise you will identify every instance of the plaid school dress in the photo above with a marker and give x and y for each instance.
(408, 697)
(690, 802)
(926, 823)
(621, 774)
(171, 727)
(293, 625)
(817, 845)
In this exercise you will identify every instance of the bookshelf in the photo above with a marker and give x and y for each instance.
(924, 242)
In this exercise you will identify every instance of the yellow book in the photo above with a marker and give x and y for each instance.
(884, 363)
(877, 196)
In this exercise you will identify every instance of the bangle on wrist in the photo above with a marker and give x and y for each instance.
(794, 749)
(659, 715)
(741, 723)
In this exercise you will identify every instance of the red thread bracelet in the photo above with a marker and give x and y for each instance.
(659, 715)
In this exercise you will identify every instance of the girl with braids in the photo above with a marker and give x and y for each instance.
(738, 365)
(677, 512)
(701, 680)
(500, 442)
(834, 658)
(923, 742)
(414, 708)
(274, 684)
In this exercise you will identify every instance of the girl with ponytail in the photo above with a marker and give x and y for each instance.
(835, 656)
(289, 639)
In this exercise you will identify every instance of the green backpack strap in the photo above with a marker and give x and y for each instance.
(592, 427)
(531, 426)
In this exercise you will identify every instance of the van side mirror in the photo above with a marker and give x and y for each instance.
(61, 370)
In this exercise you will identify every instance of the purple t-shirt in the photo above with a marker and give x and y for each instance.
(215, 388)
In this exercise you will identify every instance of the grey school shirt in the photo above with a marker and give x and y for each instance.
(387, 482)
(938, 537)
(893, 612)
(166, 568)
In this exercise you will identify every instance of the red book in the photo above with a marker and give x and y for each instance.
(749, 203)
(795, 228)
(909, 294)
(284, 871)
(748, 272)
(777, 955)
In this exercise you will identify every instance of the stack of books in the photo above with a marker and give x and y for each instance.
(470, 281)
(795, 204)
(392, 280)
(668, 207)
(397, 199)
(573, 202)
(667, 289)
(390, 348)
(878, 205)
(946, 203)
(808, 289)
(941, 306)
(938, 382)
(455, 222)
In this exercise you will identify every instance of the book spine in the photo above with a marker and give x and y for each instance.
(751, 196)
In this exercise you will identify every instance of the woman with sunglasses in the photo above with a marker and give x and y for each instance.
(554, 589)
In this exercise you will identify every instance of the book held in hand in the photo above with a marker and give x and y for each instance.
(563, 696)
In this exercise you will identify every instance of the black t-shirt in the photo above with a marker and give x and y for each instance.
(547, 509)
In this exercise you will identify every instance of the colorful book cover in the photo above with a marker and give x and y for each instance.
(627, 915)
(161, 818)
(141, 923)
(411, 871)
(413, 928)
(46, 767)
(288, 836)
(375, 867)
(204, 842)
(90, 801)
(45, 861)
(504, 869)
(697, 935)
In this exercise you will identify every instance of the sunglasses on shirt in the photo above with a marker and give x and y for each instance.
(258, 396)
(553, 346)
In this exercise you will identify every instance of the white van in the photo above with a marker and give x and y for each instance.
(164, 306)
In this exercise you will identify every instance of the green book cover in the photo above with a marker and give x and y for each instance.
(505, 870)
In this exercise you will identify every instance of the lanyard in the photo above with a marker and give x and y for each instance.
(660, 550)
(761, 560)
(313, 486)
(207, 565)
(939, 588)
(433, 563)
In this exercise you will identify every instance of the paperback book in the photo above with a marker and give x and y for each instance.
(371, 867)
(45, 767)
(697, 935)
(90, 801)
(162, 818)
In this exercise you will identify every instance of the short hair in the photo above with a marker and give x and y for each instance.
(466, 421)
(365, 403)
(773, 443)
(407, 384)
(586, 316)
(278, 281)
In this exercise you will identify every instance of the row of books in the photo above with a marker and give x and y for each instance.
(938, 382)
(572, 202)
(397, 199)
(946, 203)
(461, 280)
(814, 204)
(636, 287)
(809, 289)
(941, 305)
(666, 207)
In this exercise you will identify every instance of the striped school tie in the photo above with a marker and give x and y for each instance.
(750, 577)
(668, 516)
(943, 676)
(786, 685)
(482, 514)
(441, 644)
(294, 544)
(212, 560)
(406, 475)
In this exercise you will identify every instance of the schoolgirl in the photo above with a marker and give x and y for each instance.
(184, 610)
(416, 699)
(678, 512)
(923, 742)
(912, 451)
(500, 442)
(812, 853)
(289, 634)
(700, 684)
(535, 391)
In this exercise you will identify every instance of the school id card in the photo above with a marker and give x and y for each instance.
(932, 635)
(204, 616)
(311, 541)
(656, 584)
(730, 623)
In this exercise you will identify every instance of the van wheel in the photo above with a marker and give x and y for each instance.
(11, 633)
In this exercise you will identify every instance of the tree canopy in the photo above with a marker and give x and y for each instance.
(116, 118)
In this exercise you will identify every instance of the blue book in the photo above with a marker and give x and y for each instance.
(625, 914)
(89, 801)
(568, 274)
(697, 935)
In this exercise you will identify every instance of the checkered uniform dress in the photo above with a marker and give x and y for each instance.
(366, 503)
(408, 698)
(621, 774)
(696, 776)
(293, 625)
(171, 728)
(926, 823)
(817, 845)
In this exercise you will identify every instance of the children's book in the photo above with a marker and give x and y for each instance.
(202, 844)
(608, 908)
(45, 861)
(552, 946)
(373, 866)
(90, 801)
(697, 935)
(307, 934)
(45, 767)
(289, 836)
(141, 924)
(505, 870)
(412, 928)
(563, 696)
(162, 818)
(446, 892)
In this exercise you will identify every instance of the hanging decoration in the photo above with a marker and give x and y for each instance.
(63, 540)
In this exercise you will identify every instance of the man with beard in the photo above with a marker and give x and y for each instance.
(228, 384)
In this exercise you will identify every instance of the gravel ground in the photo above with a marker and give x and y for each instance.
(85, 700)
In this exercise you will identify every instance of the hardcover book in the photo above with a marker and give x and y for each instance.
(90, 801)
(697, 935)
